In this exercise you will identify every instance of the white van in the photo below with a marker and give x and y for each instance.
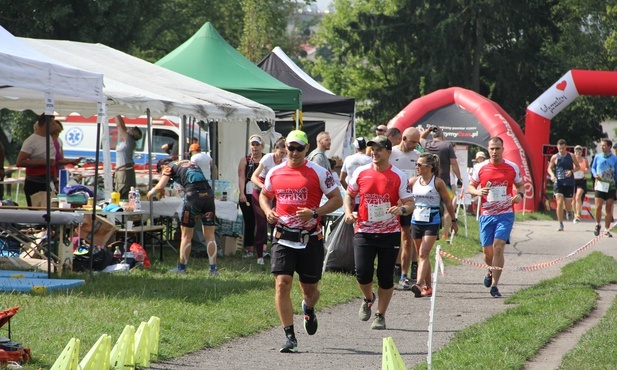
(79, 138)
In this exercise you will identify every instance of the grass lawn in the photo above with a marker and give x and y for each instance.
(196, 310)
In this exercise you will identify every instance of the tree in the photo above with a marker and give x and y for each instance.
(389, 52)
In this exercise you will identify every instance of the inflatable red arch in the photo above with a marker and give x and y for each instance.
(468, 117)
(554, 100)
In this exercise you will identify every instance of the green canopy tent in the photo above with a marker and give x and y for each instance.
(207, 57)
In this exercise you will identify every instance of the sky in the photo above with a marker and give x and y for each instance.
(323, 4)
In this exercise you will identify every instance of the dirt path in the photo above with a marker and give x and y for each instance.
(344, 342)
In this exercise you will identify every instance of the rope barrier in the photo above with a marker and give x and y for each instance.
(535, 266)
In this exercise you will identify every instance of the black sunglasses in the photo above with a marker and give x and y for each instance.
(422, 165)
(296, 148)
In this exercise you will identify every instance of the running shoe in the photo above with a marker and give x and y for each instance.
(365, 309)
(560, 226)
(260, 261)
(596, 231)
(427, 291)
(310, 321)
(215, 273)
(607, 234)
(290, 346)
(576, 220)
(417, 290)
(495, 292)
(404, 283)
(379, 323)
(488, 279)
(248, 255)
(266, 254)
(567, 216)
(177, 270)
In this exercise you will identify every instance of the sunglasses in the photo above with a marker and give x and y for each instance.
(292, 148)
(380, 130)
(422, 165)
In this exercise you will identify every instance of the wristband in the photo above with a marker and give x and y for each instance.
(403, 210)
(455, 220)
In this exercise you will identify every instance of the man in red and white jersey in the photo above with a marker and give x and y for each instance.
(496, 178)
(297, 245)
(378, 229)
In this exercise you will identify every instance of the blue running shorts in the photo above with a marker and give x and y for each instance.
(496, 226)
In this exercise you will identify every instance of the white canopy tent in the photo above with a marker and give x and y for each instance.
(133, 85)
(30, 80)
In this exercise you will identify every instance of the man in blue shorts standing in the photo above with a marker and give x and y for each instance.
(495, 179)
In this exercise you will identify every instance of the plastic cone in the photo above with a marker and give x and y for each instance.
(69, 358)
(98, 356)
(142, 345)
(155, 325)
(391, 359)
(122, 356)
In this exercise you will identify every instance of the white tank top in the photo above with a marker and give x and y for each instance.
(426, 195)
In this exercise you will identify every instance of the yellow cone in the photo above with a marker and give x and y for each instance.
(98, 356)
(142, 345)
(69, 357)
(155, 325)
(122, 356)
(391, 359)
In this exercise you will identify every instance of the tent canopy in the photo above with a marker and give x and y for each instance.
(27, 75)
(133, 85)
(315, 97)
(207, 57)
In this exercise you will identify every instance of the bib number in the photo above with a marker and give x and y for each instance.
(379, 212)
(422, 214)
(248, 188)
(602, 186)
(497, 194)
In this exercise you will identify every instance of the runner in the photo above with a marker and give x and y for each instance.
(496, 178)
(298, 186)
(378, 230)
(561, 168)
(604, 171)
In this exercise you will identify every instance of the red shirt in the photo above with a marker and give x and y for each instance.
(503, 178)
(378, 192)
(300, 187)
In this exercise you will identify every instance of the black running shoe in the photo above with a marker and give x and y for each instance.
(414, 271)
(417, 290)
(488, 279)
(310, 321)
(290, 346)
(596, 231)
(495, 292)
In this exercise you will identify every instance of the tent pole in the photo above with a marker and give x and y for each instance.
(48, 120)
(96, 184)
(149, 161)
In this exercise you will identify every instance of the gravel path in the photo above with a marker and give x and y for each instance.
(344, 342)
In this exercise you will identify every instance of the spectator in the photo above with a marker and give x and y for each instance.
(447, 159)
(58, 145)
(33, 156)
(197, 203)
(404, 157)
(354, 161)
(124, 176)
(202, 159)
(267, 162)
(171, 148)
(319, 154)
(381, 130)
(394, 135)
(246, 168)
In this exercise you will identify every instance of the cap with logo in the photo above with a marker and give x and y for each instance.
(381, 142)
(297, 136)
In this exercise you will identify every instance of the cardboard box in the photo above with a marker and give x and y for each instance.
(229, 245)
(103, 230)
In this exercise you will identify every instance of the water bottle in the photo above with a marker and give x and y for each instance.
(137, 200)
(115, 197)
(174, 221)
(132, 197)
(117, 255)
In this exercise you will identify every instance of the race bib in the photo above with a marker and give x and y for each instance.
(422, 214)
(379, 212)
(290, 244)
(602, 186)
(248, 189)
(497, 194)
